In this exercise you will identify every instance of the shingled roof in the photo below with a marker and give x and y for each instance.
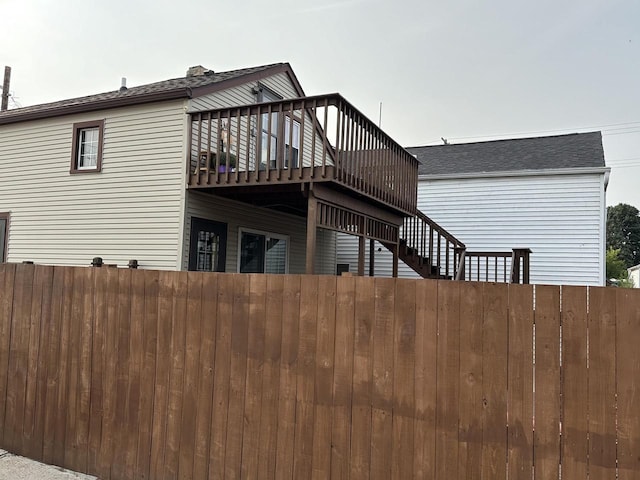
(182, 87)
(576, 150)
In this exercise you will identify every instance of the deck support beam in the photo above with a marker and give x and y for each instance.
(396, 254)
(372, 255)
(361, 245)
(312, 220)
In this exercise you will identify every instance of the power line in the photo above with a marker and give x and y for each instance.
(612, 127)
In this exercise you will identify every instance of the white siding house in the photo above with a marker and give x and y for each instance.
(134, 203)
(547, 194)
(634, 275)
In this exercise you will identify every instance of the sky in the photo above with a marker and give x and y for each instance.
(465, 70)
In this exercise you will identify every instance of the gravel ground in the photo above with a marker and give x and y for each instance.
(13, 467)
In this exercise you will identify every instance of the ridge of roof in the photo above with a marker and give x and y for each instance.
(174, 88)
(574, 150)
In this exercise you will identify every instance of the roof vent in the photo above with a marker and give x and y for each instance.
(198, 71)
(123, 84)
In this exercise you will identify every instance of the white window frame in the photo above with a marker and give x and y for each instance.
(267, 235)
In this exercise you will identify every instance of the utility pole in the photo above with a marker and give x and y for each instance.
(5, 89)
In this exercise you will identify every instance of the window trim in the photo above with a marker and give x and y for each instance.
(266, 234)
(262, 88)
(3, 253)
(77, 127)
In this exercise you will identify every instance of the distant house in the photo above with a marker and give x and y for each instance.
(544, 193)
(634, 275)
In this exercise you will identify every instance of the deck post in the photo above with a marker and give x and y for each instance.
(396, 254)
(311, 232)
(361, 244)
(372, 255)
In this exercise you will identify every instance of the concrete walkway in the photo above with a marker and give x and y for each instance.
(13, 467)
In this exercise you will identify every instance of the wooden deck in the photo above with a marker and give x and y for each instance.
(304, 140)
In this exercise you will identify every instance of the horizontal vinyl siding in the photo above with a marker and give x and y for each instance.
(241, 215)
(130, 210)
(557, 216)
(243, 94)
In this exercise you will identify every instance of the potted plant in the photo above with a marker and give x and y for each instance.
(226, 161)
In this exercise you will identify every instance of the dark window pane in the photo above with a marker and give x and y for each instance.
(252, 253)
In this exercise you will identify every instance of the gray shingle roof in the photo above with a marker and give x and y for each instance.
(178, 87)
(576, 150)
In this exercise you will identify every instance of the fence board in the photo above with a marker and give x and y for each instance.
(271, 378)
(403, 379)
(323, 398)
(237, 381)
(161, 387)
(42, 367)
(98, 349)
(425, 374)
(574, 382)
(176, 377)
(520, 381)
(147, 373)
(494, 380)
(253, 387)
(138, 374)
(192, 325)
(36, 324)
(208, 325)
(7, 279)
(288, 367)
(602, 382)
(342, 378)
(362, 373)
(448, 363)
(305, 378)
(383, 379)
(18, 359)
(628, 385)
(547, 383)
(470, 380)
(53, 361)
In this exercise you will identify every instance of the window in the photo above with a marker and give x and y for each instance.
(269, 140)
(4, 236)
(87, 147)
(291, 142)
(262, 252)
(208, 245)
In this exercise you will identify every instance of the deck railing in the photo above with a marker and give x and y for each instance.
(502, 267)
(322, 138)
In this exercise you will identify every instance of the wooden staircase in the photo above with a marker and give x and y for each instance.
(433, 252)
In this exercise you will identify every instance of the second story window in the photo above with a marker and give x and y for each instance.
(86, 155)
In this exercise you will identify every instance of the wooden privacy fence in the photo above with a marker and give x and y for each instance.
(143, 374)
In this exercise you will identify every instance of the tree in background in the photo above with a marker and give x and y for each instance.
(623, 233)
(616, 271)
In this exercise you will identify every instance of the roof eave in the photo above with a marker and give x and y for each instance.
(174, 94)
(250, 77)
(517, 173)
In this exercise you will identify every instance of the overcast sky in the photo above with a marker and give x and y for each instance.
(466, 70)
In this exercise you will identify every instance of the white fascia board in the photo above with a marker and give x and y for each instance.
(519, 173)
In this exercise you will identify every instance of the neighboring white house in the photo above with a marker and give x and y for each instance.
(132, 174)
(545, 193)
(634, 275)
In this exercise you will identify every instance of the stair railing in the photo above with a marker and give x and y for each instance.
(426, 241)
